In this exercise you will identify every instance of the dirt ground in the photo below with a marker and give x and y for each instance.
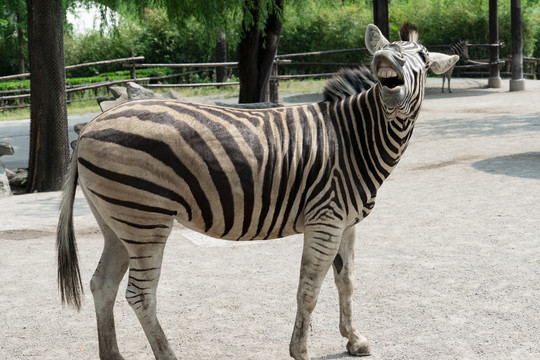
(448, 263)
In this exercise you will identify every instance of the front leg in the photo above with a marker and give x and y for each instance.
(344, 278)
(321, 244)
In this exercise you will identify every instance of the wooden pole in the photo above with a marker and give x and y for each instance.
(132, 71)
(221, 56)
(274, 84)
(494, 80)
(517, 83)
(380, 16)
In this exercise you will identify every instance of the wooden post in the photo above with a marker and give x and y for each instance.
(516, 83)
(274, 83)
(494, 80)
(132, 73)
(221, 56)
(380, 16)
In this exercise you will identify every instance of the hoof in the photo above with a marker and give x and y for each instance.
(361, 348)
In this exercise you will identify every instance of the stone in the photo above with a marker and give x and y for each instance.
(136, 92)
(173, 95)
(19, 178)
(118, 91)
(5, 189)
(106, 105)
(259, 105)
(6, 149)
(78, 127)
(101, 99)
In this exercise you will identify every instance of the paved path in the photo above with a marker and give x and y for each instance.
(448, 263)
(17, 133)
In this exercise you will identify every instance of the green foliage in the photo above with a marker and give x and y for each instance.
(173, 31)
(446, 21)
(10, 11)
(335, 25)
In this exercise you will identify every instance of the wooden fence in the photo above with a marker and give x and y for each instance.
(12, 99)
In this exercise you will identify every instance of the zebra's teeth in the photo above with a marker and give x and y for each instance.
(386, 74)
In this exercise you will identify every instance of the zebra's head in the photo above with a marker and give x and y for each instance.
(401, 68)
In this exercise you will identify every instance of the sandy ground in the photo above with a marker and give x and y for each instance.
(448, 263)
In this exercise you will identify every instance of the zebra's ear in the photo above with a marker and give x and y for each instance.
(375, 40)
(441, 63)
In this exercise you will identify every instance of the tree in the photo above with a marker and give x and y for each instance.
(12, 25)
(258, 48)
(259, 33)
(49, 148)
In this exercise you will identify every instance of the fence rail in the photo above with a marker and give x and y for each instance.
(10, 99)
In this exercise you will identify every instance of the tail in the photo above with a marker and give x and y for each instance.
(69, 276)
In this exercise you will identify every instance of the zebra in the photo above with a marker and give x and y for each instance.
(241, 174)
(460, 48)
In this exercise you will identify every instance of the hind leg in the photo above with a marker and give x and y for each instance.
(443, 80)
(344, 277)
(104, 285)
(145, 259)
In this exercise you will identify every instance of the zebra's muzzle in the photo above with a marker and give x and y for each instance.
(387, 75)
(387, 65)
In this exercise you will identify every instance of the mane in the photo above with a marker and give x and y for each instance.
(348, 82)
(408, 32)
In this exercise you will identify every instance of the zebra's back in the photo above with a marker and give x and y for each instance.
(229, 173)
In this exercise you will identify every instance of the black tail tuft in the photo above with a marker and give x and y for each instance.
(69, 276)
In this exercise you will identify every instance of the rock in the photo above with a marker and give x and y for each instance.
(118, 91)
(101, 99)
(106, 105)
(19, 178)
(79, 127)
(259, 105)
(10, 174)
(173, 95)
(5, 189)
(132, 91)
(6, 149)
(136, 91)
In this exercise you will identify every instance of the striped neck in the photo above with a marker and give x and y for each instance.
(372, 136)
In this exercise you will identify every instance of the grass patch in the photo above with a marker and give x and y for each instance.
(306, 86)
(82, 107)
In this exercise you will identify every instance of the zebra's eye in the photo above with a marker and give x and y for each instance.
(423, 57)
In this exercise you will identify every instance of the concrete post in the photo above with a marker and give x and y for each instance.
(494, 80)
(517, 83)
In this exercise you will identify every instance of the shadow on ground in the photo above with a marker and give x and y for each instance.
(482, 125)
(526, 165)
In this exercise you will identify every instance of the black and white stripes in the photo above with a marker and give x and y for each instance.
(461, 49)
(242, 175)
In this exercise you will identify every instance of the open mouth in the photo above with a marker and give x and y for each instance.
(387, 75)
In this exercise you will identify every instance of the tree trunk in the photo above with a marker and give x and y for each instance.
(256, 53)
(49, 148)
(20, 42)
(221, 56)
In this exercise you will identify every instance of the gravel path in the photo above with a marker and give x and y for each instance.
(448, 263)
